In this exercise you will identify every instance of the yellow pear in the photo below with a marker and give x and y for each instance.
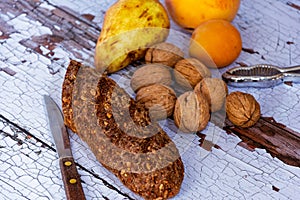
(191, 13)
(129, 28)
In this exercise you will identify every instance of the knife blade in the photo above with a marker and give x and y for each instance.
(70, 176)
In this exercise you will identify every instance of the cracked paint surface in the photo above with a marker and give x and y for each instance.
(38, 38)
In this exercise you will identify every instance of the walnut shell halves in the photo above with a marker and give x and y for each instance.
(119, 132)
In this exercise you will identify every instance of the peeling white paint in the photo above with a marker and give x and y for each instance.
(47, 6)
(231, 172)
(27, 28)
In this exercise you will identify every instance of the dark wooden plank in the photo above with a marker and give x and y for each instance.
(280, 141)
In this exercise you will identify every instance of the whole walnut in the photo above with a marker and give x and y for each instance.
(242, 109)
(190, 71)
(151, 74)
(191, 112)
(159, 99)
(214, 90)
(164, 53)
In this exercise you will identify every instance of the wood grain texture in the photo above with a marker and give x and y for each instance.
(38, 38)
(276, 138)
(71, 179)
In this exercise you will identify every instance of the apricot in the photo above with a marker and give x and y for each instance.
(191, 13)
(217, 43)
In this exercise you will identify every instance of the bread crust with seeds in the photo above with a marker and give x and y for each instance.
(119, 132)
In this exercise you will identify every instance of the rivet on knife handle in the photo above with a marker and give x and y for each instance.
(71, 179)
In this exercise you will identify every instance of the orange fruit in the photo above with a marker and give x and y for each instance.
(216, 43)
(191, 13)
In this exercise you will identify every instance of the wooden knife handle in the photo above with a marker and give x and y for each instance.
(71, 179)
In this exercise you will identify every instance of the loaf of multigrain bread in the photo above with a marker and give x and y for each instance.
(119, 132)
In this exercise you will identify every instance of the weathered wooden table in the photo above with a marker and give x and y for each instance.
(37, 40)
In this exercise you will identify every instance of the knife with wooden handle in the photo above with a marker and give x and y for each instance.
(70, 176)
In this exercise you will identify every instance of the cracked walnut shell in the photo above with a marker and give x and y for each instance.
(214, 90)
(190, 71)
(159, 99)
(191, 112)
(151, 74)
(242, 109)
(164, 53)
